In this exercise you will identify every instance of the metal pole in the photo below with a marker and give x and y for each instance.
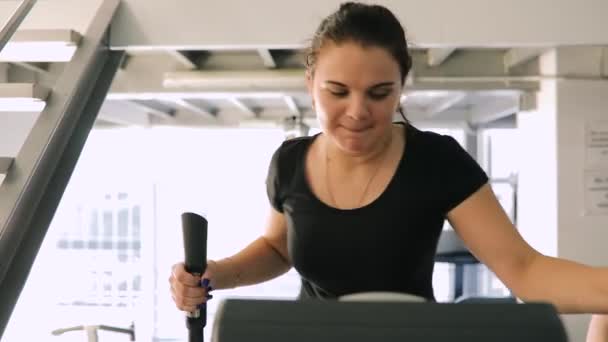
(32, 189)
(7, 31)
(18, 269)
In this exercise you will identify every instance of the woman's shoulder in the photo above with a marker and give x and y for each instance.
(294, 144)
(293, 149)
(285, 162)
(431, 142)
(290, 152)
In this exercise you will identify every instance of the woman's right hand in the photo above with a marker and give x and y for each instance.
(186, 289)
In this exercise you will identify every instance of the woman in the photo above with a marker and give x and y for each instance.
(360, 206)
(598, 329)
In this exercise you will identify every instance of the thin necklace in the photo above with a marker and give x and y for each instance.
(369, 181)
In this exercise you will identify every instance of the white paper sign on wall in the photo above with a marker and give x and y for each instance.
(596, 144)
(596, 192)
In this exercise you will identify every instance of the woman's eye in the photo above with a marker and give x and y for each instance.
(338, 93)
(378, 95)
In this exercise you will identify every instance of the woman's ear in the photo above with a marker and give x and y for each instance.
(309, 81)
(309, 86)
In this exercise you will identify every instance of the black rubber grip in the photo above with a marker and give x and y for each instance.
(194, 229)
(195, 242)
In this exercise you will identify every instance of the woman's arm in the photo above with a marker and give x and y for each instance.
(264, 259)
(598, 329)
(489, 234)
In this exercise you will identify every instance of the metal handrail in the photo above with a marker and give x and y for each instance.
(7, 31)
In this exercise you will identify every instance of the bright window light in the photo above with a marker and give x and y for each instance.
(22, 97)
(21, 104)
(41, 45)
(37, 52)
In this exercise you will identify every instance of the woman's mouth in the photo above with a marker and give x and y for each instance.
(357, 129)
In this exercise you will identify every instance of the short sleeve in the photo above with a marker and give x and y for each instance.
(273, 185)
(461, 175)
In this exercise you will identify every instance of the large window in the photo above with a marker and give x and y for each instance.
(106, 241)
(108, 252)
(93, 266)
(502, 165)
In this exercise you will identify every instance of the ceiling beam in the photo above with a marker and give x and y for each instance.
(472, 70)
(215, 80)
(422, 115)
(153, 110)
(195, 109)
(267, 58)
(162, 94)
(182, 59)
(497, 109)
(474, 84)
(123, 113)
(517, 56)
(445, 103)
(291, 104)
(436, 57)
(477, 63)
(243, 107)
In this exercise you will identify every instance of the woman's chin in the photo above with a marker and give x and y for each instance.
(354, 147)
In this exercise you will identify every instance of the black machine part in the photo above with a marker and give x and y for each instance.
(325, 321)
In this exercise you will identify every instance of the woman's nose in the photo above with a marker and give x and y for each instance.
(358, 108)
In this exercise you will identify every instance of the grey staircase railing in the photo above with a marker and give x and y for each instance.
(8, 29)
(36, 180)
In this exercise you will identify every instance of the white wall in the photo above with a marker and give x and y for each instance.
(552, 205)
(537, 201)
(582, 238)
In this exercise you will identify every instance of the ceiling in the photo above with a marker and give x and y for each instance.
(266, 87)
(262, 87)
(188, 64)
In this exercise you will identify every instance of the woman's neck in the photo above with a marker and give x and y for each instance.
(349, 161)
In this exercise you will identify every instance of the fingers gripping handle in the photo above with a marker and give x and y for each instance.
(194, 229)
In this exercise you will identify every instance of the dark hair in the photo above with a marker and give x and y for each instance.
(369, 25)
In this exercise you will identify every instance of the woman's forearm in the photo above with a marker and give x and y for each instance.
(598, 329)
(256, 263)
(570, 286)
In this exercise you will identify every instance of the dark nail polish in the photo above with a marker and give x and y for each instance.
(209, 288)
(209, 296)
(204, 282)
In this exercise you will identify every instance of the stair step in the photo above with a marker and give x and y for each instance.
(22, 97)
(5, 164)
(41, 45)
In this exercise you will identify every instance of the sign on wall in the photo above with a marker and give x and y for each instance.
(596, 192)
(596, 144)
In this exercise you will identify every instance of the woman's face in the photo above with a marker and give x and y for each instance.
(355, 91)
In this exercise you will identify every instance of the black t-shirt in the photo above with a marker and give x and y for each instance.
(387, 245)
